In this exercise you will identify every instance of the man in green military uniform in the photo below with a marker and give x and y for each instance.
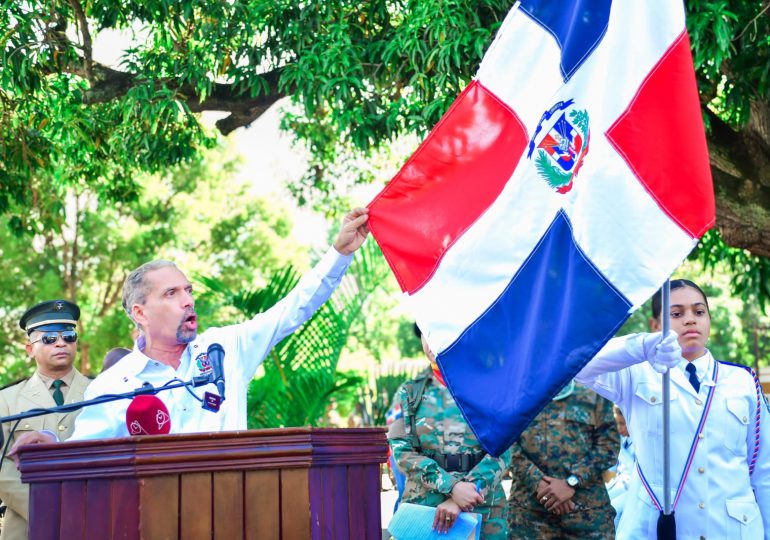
(557, 466)
(50, 328)
(443, 461)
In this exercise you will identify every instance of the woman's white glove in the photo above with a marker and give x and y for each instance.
(662, 352)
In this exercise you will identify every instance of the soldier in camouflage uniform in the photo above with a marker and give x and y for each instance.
(441, 457)
(557, 467)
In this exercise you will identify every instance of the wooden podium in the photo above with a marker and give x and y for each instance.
(294, 483)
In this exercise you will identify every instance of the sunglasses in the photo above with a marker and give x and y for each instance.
(49, 338)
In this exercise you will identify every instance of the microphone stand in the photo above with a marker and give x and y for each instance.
(144, 390)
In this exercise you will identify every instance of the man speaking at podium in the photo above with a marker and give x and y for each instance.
(158, 298)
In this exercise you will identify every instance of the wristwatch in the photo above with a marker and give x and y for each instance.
(573, 481)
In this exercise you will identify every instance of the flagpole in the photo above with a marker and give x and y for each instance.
(666, 318)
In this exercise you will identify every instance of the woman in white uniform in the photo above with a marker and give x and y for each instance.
(720, 437)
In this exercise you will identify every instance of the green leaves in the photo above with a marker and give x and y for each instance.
(731, 51)
(361, 74)
(374, 70)
(751, 274)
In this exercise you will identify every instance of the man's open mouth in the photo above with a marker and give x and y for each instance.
(191, 320)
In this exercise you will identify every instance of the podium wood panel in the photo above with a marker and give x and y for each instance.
(124, 509)
(287, 484)
(295, 504)
(228, 504)
(196, 513)
(260, 489)
(159, 499)
(98, 508)
(73, 519)
(356, 518)
(45, 501)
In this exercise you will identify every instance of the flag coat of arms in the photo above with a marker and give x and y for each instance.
(561, 189)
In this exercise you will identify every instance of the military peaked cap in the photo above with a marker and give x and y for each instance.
(54, 315)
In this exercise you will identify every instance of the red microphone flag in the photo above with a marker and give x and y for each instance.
(147, 415)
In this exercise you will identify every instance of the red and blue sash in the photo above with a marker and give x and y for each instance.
(693, 447)
(760, 399)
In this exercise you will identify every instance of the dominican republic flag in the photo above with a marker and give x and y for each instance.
(564, 185)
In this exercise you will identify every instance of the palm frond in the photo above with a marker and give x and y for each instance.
(376, 398)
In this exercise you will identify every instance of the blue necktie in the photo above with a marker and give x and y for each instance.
(693, 377)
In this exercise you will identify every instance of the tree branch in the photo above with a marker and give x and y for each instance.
(743, 212)
(744, 153)
(75, 254)
(115, 296)
(244, 110)
(108, 84)
(83, 24)
(740, 166)
(752, 21)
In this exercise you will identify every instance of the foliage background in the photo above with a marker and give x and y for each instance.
(106, 164)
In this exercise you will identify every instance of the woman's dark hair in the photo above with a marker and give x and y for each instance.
(417, 331)
(657, 298)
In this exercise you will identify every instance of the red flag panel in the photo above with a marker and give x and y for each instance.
(661, 137)
(452, 178)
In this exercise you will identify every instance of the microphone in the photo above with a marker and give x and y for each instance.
(147, 415)
(216, 355)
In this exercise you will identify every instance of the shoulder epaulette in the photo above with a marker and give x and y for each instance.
(747, 368)
(753, 376)
(415, 388)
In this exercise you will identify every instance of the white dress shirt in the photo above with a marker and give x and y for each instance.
(720, 500)
(245, 346)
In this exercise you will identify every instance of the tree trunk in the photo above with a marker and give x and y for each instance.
(83, 350)
(740, 165)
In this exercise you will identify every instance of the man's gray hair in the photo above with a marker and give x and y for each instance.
(136, 287)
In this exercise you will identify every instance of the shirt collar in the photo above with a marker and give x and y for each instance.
(625, 442)
(136, 362)
(703, 368)
(48, 381)
(130, 365)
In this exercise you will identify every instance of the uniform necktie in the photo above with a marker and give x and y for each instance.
(58, 397)
(693, 377)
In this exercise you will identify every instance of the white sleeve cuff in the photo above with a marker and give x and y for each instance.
(333, 264)
(51, 433)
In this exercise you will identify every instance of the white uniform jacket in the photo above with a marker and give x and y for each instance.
(719, 500)
(245, 346)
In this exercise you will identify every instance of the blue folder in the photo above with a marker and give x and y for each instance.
(415, 522)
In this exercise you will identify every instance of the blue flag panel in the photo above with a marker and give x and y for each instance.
(577, 26)
(557, 312)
